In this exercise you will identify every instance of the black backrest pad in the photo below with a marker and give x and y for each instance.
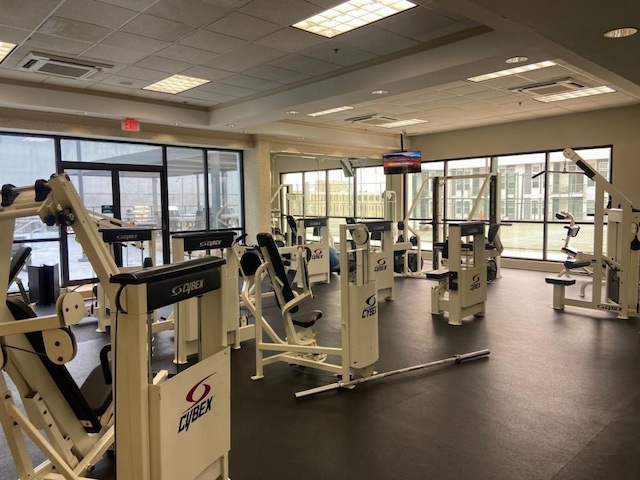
(17, 261)
(265, 240)
(59, 373)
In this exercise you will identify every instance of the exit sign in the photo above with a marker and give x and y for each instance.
(130, 125)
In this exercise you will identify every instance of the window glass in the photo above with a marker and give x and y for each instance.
(110, 152)
(419, 200)
(315, 194)
(293, 203)
(370, 183)
(521, 195)
(185, 183)
(225, 189)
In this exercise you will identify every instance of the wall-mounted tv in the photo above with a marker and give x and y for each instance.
(401, 162)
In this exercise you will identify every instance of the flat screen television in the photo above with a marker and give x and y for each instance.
(401, 162)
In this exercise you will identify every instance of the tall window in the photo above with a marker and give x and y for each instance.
(419, 200)
(185, 184)
(370, 182)
(225, 189)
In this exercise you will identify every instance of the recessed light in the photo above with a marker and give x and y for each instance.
(516, 59)
(176, 84)
(231, 125)
(621, 32)
(292, 112)
(331, 110)
(583, 92)
(350, 15)
(82, 113)
(403, 123)
(379, 92)
(5, 49)
(512, 71)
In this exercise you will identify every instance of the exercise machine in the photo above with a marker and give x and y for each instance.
(313, 233)
(358, 350)
(183, 315)
(615, 273)
(462, 287)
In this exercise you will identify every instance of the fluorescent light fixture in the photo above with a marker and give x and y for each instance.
(583, 92)
(512, 71)
(331, 110)
(403, 123)
(621, 32)
(176, 84)
(5, 49)
(516, 59)
(352, 14)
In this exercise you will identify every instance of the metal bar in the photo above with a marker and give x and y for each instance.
(334, 386)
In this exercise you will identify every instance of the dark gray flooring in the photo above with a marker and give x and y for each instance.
(558, 398)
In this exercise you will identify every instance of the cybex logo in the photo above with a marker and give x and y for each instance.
(609, 308)
(131, 236)
(475, 282)
(187, 288)
(210, 243)
(199, 406)
(381, 265)
(370, 309)
(318, 253)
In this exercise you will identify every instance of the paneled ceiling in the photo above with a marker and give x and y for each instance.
(260, 68)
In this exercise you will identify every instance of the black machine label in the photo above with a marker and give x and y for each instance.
(383, 226)
(381, 265)
(115, 235)
(200, 399)
(475, 283)
(166, 292)
(371, 307)
(315, 222)
(193, 243)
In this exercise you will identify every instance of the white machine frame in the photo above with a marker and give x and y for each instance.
(617, 271)
(462, 287)
(183, 315)
(358, 350)
(318, 265)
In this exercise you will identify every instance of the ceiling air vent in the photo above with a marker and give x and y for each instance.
(62, 67)
(372, 119)
(550, 87)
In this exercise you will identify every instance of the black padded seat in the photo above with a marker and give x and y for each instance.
(571, 265)
(17, 262)
(437, 274)
(306, 319)
(560, 281)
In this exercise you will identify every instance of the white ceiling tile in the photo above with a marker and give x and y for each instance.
(268, 72)
(488, 94)
(466, 89)
(338, 53)
(200, 94)
(130, 41)
(212, 41)
(50, 43)
(505, 83)
(291, 39)
(415, 22)
(294, 78)
(193, 12)
(251, 82)
(13, 35)
(152, 94)
(95, 12)
(137, 5)
(158, 28)
(282, 12)
(243, 26)
(186, 54)
(441, 32)
(22, 14)
(126, 82)
(547, 73)
(206, 73)
(451, 101)
(67, 82)
(151, 76)
(113, 54)
(376, 40)
(306, 65)
(247, 56)
(231, 90)
(64, 27)
(162, 64)
(103, 87)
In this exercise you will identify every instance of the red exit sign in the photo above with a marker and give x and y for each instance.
(130, 125)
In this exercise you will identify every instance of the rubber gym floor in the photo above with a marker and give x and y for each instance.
(558, 398)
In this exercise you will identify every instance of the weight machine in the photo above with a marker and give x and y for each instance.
(318, 241)
(615, 275)
(183, 315)
(358, 350)
(462, 287)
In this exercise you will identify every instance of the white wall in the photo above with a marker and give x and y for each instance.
(619, 127)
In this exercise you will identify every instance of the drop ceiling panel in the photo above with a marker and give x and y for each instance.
(192, 12)
(282, 12)
(338, 53)
(137, 5)
(151, 76)
(251, 82)
(243, 26)
(245, 57)
(415, 23)
(65, 82)
(125, 82)
(212, 97)
(295, 78)
(50, 43)
(377, 41)
(190, 55)
(206, 73)
(231, 90)
(306, 65)
(269, 72)
(158, 28)
(162, 64)
(113, 54)
(130, 41)
(96, 13)
(212, 41)
(14, 13)
(291, 39)
(63, 27)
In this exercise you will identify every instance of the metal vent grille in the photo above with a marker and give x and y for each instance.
(61, 67)
(374, 120)
(551, 87)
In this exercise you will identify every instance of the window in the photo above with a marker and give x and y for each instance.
(225, 189)
(370, 183)
(185, 184)
(91, 151)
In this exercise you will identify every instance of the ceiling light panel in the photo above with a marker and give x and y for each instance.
(5, 49)
(331, 110)
(512, 71)
(583, 92)
(621, 32)
(403, 123)
(352, 14)
(176, 84)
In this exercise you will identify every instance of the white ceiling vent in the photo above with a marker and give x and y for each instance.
(373, 119)
(550, 87)
(62, 67)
